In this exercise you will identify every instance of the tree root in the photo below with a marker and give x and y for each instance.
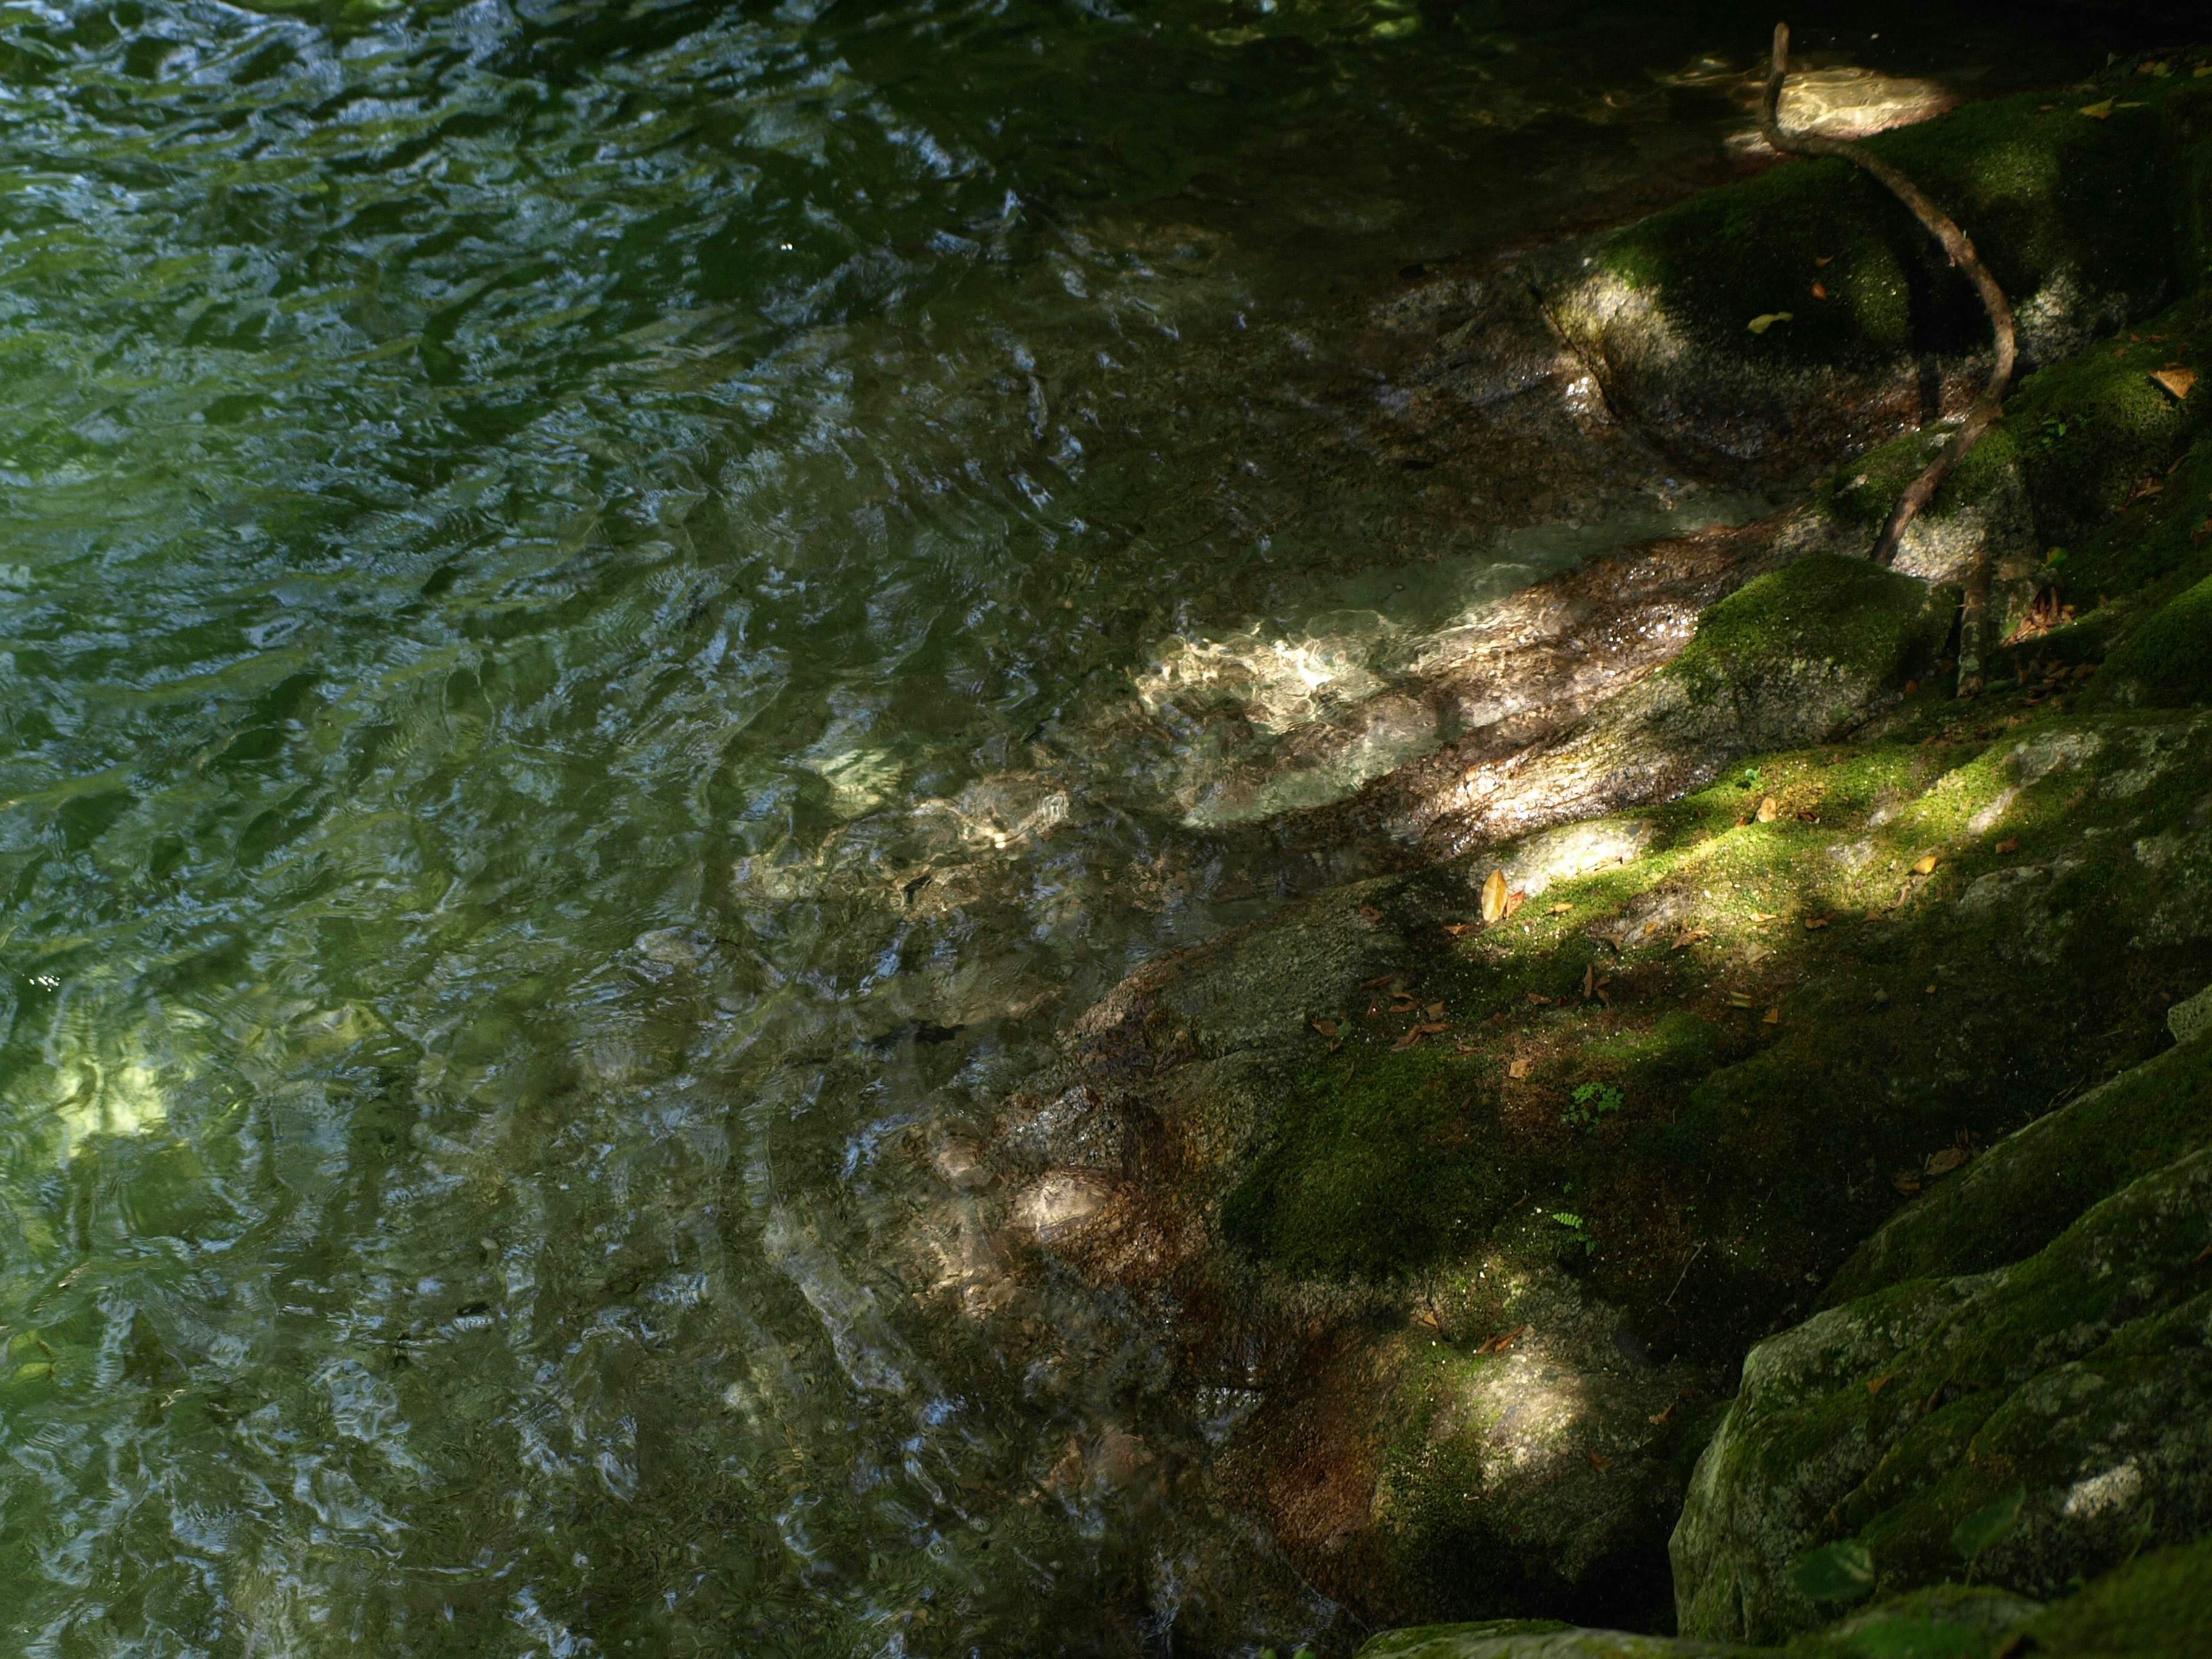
(1986, 409)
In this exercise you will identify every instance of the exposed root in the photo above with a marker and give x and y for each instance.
(1986, 409)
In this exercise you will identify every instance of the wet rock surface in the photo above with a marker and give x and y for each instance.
(1713, 933)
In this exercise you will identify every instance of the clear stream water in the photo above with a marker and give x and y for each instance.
(575, 585)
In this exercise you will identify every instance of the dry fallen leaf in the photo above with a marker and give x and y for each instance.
(2176, 380)
(1819, 290)
(1762, 916)
(2009, 844)
(1519, 1068)
(2099, 110)
(1500, 1343)
(1540, 998)
(1370, 913)
(1426, 1028)
(1815, 924)
(1461, 929)
(1396, 975)
(1925, 866)
(1822, 259)
(1946, 1161)
(1515, 900)
(1327, 1028)
(1905, 1181)
(1769, 810)
(1494, 897)
(1589, 981)
(1436, 1010)
(1688, 937)
(1560, 909)
(1599, 1463)
(1773, 1016)
(1738, 999)
(1657, 1418)
(1877, 1384)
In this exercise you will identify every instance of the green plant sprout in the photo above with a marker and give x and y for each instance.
(1593, 1103)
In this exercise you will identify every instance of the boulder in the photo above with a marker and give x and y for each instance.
(2074, 1385)
(1773, 324)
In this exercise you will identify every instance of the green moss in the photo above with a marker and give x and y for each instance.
(2029, 1188)
(2166, 661)
(2091, 430)
(1826, 608)
(2047, 194)
(1364, 1176)
(2158, 1606)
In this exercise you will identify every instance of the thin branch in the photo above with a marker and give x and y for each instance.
(1961, 253)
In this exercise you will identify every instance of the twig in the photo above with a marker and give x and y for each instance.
(1685, 1273)
(1987, 408)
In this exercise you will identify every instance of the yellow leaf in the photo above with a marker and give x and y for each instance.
(1765, 320)
(1560, 909)
(1773, 1016)
(1925, 866)
(2176, 380)
(2101, 110)
(1519, 1068)
(1436, 1010)
(1769, 810)
(1494, 897)
(1946, 1161)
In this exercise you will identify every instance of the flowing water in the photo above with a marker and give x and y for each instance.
(605, 619)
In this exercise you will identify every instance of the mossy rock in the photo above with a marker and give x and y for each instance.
(2030, 1186)
(2087, 223)
(2157, 1606)
(2075, 1385)
(2166, 662)
(1794, 656)
(2082, 442)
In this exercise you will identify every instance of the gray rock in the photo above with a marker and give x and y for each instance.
(2079, 1378)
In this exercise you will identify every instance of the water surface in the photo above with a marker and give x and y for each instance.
(583, 595)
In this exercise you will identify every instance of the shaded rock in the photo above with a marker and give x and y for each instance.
(1516, 1638)
(2157, 1606)
(2030, 1186)
(2080, 1377)
(2082, 222)
(1950, 1621)
(1799, 656)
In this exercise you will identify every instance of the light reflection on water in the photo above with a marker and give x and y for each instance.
(574, 585)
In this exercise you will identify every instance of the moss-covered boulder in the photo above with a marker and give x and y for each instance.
(2033, 1185)
(1799, 656)
(2158, 1606)
(2166, 660)
(1785, 321)
(2081, 441)
(2069, 1394)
